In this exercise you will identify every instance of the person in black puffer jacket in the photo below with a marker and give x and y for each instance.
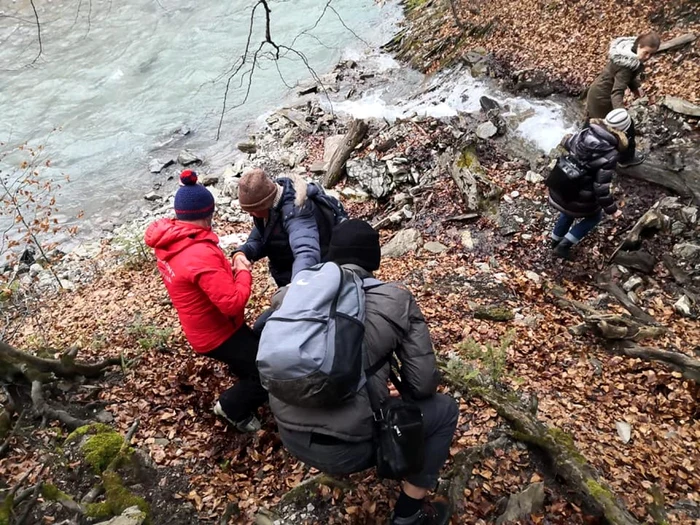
(597, 148)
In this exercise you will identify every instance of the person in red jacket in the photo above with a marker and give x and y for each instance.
(210, 297)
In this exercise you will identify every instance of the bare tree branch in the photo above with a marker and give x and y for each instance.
(38, 33)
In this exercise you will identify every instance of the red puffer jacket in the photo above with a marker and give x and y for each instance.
(208, 297)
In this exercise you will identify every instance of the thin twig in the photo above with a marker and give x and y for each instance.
(38, 33)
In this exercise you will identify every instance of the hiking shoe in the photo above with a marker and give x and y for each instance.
(634, 161)
(563, 249)
(553, 243)
(432, 513)
(249, 424)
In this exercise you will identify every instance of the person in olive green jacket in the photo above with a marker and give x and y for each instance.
(627, 57)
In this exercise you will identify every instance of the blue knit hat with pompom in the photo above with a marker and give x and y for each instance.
(192, 201)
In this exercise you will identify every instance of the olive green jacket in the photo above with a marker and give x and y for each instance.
(622, 72)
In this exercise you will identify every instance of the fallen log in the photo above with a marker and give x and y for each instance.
(336, 166)
(569, 464)
(47, 411)
(685, 183)
(677, 42)
(689, 367)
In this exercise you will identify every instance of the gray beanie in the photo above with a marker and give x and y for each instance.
(618, 119)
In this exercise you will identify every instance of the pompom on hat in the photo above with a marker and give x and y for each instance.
(192, 200)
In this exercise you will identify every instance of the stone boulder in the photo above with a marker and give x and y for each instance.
(187, 157)
(403, 242)
(682, 106)
(372, 176)
(523, 504)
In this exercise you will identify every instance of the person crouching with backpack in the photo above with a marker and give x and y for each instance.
(210, 297)
(339, 438)
(582, 194)
(290, 228)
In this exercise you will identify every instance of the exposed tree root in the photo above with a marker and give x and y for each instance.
(689, 367)
(456, 479)
(559, 447)
(32, 366)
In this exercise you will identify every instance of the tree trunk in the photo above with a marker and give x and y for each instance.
(336, 167)
(679, 41)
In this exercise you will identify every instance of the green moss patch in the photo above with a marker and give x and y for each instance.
(101, 449)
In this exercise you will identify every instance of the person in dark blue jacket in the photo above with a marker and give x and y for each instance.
(293, 221)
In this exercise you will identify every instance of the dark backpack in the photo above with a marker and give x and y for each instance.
(331, 208)
(567, 176)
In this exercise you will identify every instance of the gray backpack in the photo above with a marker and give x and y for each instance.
(310, 352)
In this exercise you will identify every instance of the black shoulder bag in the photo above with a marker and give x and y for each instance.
(398, 431)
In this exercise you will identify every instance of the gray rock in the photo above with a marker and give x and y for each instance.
(632, 283)
(156, 166)
(633, 297)
(186, 157)
(289, 138)
(435, 247)
(682, 106)
(330, 145)
(486, 130)
(371, 175)
(230, 185)
(318, 167)
(35, 269)
(130, 516)
(209, 180)
(103, 416)
(533, 276)
(686, 250)
(289, 159)
(597, 366)
(152, 196)
(247, 147)
(690, 214)
(683, 306)
(533, 177)
(467, 241)
(624, 431)
(396, 167)
(677, 228)
(521, 505)
(403, 242)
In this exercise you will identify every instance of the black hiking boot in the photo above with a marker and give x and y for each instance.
(553, 243)
(634, 161)
(563, 249)
(432, 513)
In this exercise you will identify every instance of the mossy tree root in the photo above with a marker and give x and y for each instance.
(559, 446)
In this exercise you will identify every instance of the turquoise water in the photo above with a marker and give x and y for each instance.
(115, 79)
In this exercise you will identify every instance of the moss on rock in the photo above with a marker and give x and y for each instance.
(52, 492)
(101, 449)
(6, 510)
(95, 428)
(598, 491)
(119, 498)
(494, 313)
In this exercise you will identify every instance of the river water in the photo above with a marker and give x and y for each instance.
(116, 78)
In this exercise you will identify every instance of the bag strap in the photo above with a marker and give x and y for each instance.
(374, 400)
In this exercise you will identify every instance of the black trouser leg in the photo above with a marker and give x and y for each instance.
(631, 150)
(239, 353)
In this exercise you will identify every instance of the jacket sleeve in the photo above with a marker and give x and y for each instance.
(418, 366)
(303, 238)
(228, 292)
(253, 248)
(624, 78)
(602, 186)
(566, 141)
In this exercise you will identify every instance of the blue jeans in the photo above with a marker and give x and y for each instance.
(563, 229)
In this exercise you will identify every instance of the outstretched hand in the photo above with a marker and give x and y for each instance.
(241, 262)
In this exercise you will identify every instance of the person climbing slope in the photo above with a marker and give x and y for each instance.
(623, 71)
(210, 297)
(580, 183)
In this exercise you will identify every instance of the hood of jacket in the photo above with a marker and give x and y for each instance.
(621, 53)
(296, 189)
(605, 134)
(168, 237)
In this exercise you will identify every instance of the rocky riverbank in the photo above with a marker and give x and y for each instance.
(459, 201)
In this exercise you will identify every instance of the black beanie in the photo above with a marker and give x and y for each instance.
(355, 242)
